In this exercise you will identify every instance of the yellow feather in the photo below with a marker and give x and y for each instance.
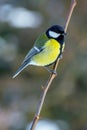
(49, 54)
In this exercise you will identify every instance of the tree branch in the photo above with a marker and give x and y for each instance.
(52, 76)
(72, 6)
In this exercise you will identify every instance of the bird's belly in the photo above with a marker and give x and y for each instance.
(48, 55)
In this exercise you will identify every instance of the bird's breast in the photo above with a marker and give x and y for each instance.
(48, 55)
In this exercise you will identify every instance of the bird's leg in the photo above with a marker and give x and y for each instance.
(50, 70)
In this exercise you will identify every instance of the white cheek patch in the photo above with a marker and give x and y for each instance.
(54, 34)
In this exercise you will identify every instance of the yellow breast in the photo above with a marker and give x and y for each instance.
(48, 55)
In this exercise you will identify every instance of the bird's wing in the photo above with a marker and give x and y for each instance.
(23, 66)
(41, 40)
(35, 50)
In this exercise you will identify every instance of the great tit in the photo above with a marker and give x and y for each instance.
(47, 49)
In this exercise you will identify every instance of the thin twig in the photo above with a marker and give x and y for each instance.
(72, 6)
(45, 89)
(52, 76)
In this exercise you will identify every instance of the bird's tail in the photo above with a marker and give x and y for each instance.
(23, 66)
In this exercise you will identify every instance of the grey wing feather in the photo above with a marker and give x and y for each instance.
(23, 66)
(31, 53)
(27, 59)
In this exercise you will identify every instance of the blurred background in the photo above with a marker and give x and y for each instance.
(65, 107)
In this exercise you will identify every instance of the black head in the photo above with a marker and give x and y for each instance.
(56, 32)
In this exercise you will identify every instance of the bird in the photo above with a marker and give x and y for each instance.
(47, 48)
